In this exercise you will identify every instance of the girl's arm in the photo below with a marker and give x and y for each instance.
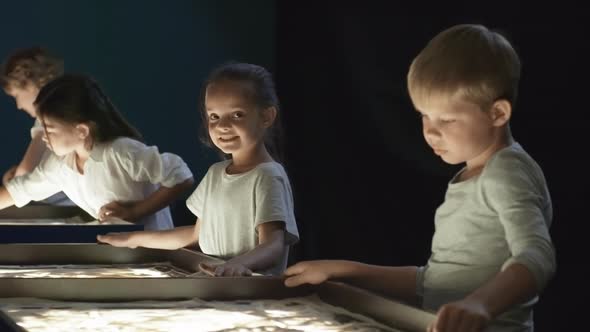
(395, 281)
(158, 200)
(5, 198)
(270, 248)
(30, 160)
(172, 239)
(39, 184)
(32, 156)
(268, 252)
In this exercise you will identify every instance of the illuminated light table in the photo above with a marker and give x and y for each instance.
(190, 302)
(55, 224)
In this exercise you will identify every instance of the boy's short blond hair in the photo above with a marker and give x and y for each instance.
(467, 61)
(33, 65)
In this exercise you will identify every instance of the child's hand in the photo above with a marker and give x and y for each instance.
(225, 270)
(118, 239)
(124, 211)
(9, 175)
(310, 272)
(465, 315)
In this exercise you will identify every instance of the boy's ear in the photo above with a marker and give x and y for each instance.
(83, 130)
(501, 112)
(268, 116)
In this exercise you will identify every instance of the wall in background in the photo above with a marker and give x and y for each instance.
(150, 57)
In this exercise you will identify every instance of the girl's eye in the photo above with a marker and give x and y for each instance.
(238, 115)
(447, 120)
(213, 117)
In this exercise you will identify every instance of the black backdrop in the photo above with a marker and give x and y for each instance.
(366, 183)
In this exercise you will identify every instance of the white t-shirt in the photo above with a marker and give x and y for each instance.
(37, 128)
(121, 170)
(230, 207)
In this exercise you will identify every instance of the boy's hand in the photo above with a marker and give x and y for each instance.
(225, 270)
(310, 272)
(461, 316)
(125, 211)
(117, 239)
(9, 175)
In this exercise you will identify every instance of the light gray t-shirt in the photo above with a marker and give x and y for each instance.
(123, 170)
(230, 207)
(486, 223)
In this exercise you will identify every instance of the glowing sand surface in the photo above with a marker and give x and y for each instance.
(154, 270)
(77, 220)
(294, 314)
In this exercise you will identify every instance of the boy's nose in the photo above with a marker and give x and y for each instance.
(431, 131)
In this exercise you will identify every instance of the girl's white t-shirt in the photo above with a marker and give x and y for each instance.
(123, 170)
(230, 207)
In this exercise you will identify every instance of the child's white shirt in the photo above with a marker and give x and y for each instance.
(230, 207)
(123, 170)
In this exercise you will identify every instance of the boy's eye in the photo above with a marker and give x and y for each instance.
(447, 120)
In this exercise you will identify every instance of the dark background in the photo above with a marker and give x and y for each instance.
(366, 185)
(150, 57)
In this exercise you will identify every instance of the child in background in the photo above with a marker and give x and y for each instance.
(98, 159)
(491, 251)
(244, 205)
(22, 75)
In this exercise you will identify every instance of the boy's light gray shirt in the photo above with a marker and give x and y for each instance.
(485, 224)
